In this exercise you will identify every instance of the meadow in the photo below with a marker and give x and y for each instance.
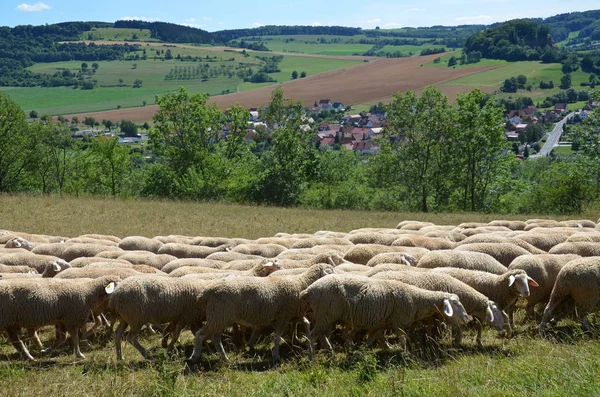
(110, 94)
(565, 364)
(118, 34)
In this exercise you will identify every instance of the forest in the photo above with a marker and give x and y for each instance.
(433, 157)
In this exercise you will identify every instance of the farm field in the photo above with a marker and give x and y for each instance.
(108, 94)
(565, 364)
(118, 34)
(362, 83)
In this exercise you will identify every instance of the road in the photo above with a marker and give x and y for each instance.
(553, 138)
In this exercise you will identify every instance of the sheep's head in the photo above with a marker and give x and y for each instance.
(521, 282)
(454, 309)
(267, 268)
(52, 269)
(494, 317)
(19, 242)
(408, 259)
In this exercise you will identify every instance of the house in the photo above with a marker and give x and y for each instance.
(254, 115)
(328, 141)
(364, 147)
(512, 136)
(360, 134)
(561, 108)
(323, 127)
(515, 120)
(338, 107)
(530, 110)
(376, 132)
(326, 134)
(521, 127)
(325, 104)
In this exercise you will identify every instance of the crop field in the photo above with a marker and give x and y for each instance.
(110, 94)
(564, 364)
(366, 82)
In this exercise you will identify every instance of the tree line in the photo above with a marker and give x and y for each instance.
(433, 157)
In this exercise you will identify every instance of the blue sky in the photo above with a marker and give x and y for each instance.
(235, 14)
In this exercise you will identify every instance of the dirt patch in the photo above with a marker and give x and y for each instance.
(369, 82)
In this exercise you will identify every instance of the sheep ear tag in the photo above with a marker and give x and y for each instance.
(489, 314)
(448, 308)
(110, 288)
(56, 267)
(17, 244)
(511, 281)
(532, 282)
(331, 262)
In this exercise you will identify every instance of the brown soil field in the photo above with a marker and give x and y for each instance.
(364, 83)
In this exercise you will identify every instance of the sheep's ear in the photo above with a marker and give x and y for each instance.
(18, 244)
(532, 282)
(405, 261)
(110, 288)
(448, 311)
(268, 264)
(228, 249)
(331, 262)
(489, 314)
(511, 281)
(328, 271)
(56, 267)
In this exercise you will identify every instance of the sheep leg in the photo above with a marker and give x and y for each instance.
(164, 340)
(256, 332)
(479, 328)
(178, 327)
(457, 333)
(61, 338)
(13, 335)
(582, 316)
(507, 326)
(33, 335)
(278, 334)
(118, 335)
(74, 331)
(199, 337)
(132, 338)
(217, 340)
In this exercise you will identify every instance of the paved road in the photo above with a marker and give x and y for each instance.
(553, 138)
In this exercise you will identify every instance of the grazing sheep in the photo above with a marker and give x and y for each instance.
(231, 256)
(263, 250)
(494, 239)
(259, 270)
(452, 236)
(89, 240)
(431, 243)
(403, 258)
(579, 223)
(19, 242)
(393, 267)
(255, 302)
(541, 240)
(139, 243)
(51, 249)
(352, 268)
(77, 250)
(543, 269)
(286, 242)
(38, 262)
(157, 261)
(196, 262)
(96, 236)
(462, 260)
(363, 253)
(486, 230)
(413, 225)
(542, 224)
(363, 303)
(584, 237)
(86, 261)
(16, 269)
(373, 238)
(504, 253)
(189, 251)
(512, 225)
(475, 303)
(330, 258)
(581, 249)
(114, 254)
(26, 304)
(174, 239)
(52, 269)
(6, 236)
(214, 241)
(503, 289)
(96, 272)
(577, 282)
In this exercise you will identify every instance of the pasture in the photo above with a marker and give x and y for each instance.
(564, 364)
(118, 34)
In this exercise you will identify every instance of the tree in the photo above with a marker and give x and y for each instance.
(452, 61)
(129, 128)
(510, 85)
(89, 121)
(95, 66)
(302, 75)
(134, 66)
(75, 120)
(294, 75)
(137, 83)
(533, 132)
(16, 144)
(237, 118)
(144, 102)
(565, 81)
(146, 126)
(84, 66)
(33, 114)
(521, 81)
(107, 123)
(113, 162)
(121, 82)
(168, 55)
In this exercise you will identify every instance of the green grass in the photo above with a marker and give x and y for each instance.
(117, 34)
(107, 95)
(565, 364)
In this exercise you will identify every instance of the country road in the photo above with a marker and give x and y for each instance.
(553, 138)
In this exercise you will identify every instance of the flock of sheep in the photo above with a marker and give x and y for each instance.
(364, 283)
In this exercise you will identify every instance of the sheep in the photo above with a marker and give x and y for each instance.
(584, 237)
(475, 303)
(373, 238)
(328, 234)
(157, 261)
(108, 237)
(259, 270)
(463, 260)
(492, 238)
(371, 304)
(16, 269)
(579, 223)
(38, 262)
(149, 299)
(189, 251)
(19, 242)
(577, 282)
(26, 304)
(504, 253)
(544, 269)
(579, 248)
(213, 241)
(431, 243)
(413, 225)
(541, 240)
(393, 257)
(286, 242)
(512, 225)
(452, 236)
(485, 230)
(503, 289)
(363, 253)
(89, 240)
(231, 256)
(139, 243)
(352, 268)
(96, 272)
(34, 238)
(86, 261)
(264, 250)
(255, 302)
(52, 269)
(174, 239)
(542, 224)
(52, 249)
(77, 250)
(393, 267)
(196, 262)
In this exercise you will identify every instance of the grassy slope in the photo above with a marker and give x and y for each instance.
(525, 365)
(64, 100)
(117, 34)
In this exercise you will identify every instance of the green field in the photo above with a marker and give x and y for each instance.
(118, 34)
(565, 364)
(109, 95)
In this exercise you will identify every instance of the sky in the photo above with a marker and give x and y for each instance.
(237, 14)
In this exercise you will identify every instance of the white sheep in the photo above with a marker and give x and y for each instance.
(463, 260)
(19, 242)
(140, 243)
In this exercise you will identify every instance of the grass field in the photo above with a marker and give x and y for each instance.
(108, 95)
(118, 34)
(566, 364)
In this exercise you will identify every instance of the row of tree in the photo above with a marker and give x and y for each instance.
(433, 157)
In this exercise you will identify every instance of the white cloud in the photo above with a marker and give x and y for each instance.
(145, 19)
(33, 7)
(418, 9)
(206, 18)
(477, 18)
(316, 24)
(220, 23)
(258, 24)
(189, 20)
(374, 20)
(391, 25)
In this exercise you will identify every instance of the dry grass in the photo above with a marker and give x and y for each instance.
(567, 364)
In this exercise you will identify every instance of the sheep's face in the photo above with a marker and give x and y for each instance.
(19, 242)
(521, 283)
(494, 317)
(408, 260)
(268, 268)
(454, 309)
